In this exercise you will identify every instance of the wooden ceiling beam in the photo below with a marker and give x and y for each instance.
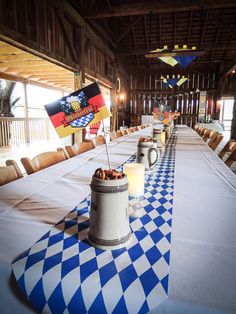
(221, 22)
(161, 6)
(166, 91)
(190, 26)
(160, 27)
(175, 53)
(146, 32)
(175, 26)
(128, 28)
(207, 49)
(202, 35)
(134, 38)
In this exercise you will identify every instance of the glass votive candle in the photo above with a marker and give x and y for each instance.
(135, 173)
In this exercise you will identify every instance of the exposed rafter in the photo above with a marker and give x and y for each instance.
(190, 26)
(221, 22)
(161, 6)
(207, 49)
(129, 28)
(174, 53)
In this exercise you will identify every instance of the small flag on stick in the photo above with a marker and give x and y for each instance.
(78, 110)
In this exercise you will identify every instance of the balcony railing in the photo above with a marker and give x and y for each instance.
(15, 131)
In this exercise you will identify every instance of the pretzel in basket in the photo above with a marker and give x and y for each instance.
(111, 174)
(145, 139)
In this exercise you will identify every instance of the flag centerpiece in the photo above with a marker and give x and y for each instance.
(77, 110)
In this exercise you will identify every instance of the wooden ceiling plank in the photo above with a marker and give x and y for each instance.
(134, 39)
(128, 28)
(25, 64)
(220, 21)
(18, 57)
(161, 6)
(20, 79)
(190, 26)
(9, 50)
(34, 69)
(202, 35)
(217, 35)
(160, 31)
(146, 33)
(175, 26)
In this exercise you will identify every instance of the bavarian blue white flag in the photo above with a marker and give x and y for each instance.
(183, 61)
(171, 82)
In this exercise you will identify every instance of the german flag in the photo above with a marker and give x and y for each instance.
(78, 110)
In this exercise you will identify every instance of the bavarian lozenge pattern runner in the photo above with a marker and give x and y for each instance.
(62, 273)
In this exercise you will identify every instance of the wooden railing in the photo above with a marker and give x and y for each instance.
(15, 131)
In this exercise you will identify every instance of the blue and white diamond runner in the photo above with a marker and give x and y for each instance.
(62, 273)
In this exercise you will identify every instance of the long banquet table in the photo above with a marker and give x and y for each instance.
(203, 239)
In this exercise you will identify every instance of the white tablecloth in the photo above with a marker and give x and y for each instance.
(203, 253)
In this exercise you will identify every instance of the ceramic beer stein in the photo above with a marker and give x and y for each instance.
(109, 219)
(147, 154)
(157, 135)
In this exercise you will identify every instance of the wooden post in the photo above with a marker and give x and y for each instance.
(233, 125)
(113, 110)
(26, 113)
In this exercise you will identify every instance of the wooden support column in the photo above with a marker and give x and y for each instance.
(26, 113)
(233, 125)
(114, 112)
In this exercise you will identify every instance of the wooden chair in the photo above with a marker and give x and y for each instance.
(124, 132)
(112, 136)
(10, 172)
(118, 134)
(232, 158)
(216, 141)
(79, 148)
(212, 137)
(202, 131)
(98, 141)
(43, 160)
(227, 149)
(207, 135)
